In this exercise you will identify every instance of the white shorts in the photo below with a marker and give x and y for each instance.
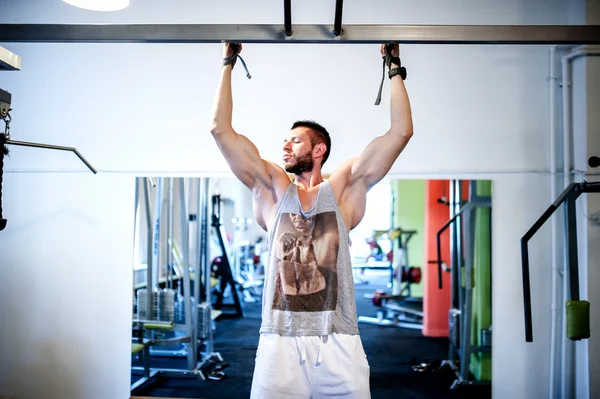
(310, 367)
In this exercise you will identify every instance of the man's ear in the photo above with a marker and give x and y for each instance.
(320, 149)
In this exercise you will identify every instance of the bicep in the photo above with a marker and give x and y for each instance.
(377, 159)
(243, 158)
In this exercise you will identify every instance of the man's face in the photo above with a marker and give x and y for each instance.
(301, 223)
(297, 151)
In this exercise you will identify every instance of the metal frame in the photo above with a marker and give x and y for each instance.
(53, 147)
(337, 24)
(9, 61)
(463, 233)
(287, 17)
(228, 279)
(189, 340)
(401, 311)
(207, 33)
(569, 195)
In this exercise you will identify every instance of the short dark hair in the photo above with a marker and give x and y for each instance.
(320, 135)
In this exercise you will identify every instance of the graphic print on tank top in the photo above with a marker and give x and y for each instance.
(306, 251)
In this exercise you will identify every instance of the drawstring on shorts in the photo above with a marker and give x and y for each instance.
(301, 346)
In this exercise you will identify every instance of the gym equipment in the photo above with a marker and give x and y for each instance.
(387, 61)
(233, 59)
(350, 34)
(287, 17)
(577, 310)
(398, 309)
(226, 279)
(5, 101)
(470, 238)
(337, 23)
(404, 273)
(248, 270)
(167, 318)
(9, 61)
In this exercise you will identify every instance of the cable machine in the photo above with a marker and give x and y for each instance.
(174, 315)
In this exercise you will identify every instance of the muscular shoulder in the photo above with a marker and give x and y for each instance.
(266, 199)
(279, 178)
(340, 178)
(350, 193)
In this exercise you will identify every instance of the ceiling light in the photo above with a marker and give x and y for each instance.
(99, 5)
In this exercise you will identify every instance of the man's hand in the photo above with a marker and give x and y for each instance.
(395, 50)
(228, 50)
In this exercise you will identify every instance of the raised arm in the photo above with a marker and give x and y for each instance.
(239, 152)
(378, 157)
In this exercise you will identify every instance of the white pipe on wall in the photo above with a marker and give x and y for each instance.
(567, 347)
(553, 194)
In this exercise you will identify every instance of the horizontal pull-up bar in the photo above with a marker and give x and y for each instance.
(423, 34)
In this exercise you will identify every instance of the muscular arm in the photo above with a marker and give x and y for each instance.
(378, 157)
(266, 180)
(239, 152)
(356, 176)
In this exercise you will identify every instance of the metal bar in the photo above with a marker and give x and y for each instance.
(154, 322)
(184, 234)
(593, 187)
(422, 34)
(525, 258)
(157, 221)
(337, 24)
(457, 269)
(149, 250)
(205, 248)
(438, 237)
(9, 61)
(467, 311)
(287, 17)
(136, 223)
(53, 147)
(144, 380)
(169, 204)
(571, 245)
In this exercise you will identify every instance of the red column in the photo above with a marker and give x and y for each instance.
(436, 302)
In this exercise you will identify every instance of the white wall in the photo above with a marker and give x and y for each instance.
(65, 302)
(479, 112)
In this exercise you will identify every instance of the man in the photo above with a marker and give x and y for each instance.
(309, 340)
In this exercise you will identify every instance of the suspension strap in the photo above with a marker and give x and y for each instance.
(387, 61)
(232, 60)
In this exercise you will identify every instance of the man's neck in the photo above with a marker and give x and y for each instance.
(307, 180)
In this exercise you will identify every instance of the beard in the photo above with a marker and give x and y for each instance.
(304, 163)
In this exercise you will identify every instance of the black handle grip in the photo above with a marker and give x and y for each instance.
(388, 48)
(235, 47)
